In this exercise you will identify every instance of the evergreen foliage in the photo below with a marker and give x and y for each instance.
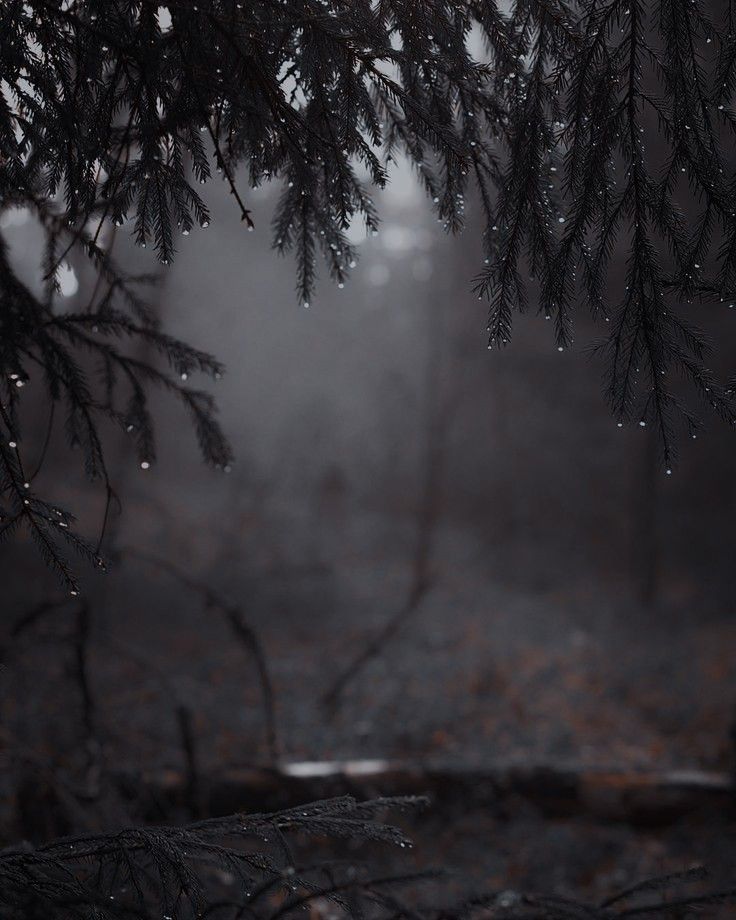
(209, 869)
(215, 869)
(585, 128)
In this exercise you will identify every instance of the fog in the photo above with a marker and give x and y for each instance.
(574, 600)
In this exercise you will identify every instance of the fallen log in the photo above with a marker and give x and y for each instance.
(639, 798)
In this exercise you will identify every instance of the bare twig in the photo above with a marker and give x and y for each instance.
(439, 412)
(240, 628)
(189, 748)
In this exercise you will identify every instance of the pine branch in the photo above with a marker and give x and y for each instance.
(118, 112)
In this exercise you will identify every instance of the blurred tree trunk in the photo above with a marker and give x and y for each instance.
(645, 549)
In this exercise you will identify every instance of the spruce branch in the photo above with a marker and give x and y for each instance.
(119, 112)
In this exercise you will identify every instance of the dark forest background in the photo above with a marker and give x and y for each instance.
(560, 601)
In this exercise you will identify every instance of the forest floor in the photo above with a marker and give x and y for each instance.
(482, 675)
(481, 672)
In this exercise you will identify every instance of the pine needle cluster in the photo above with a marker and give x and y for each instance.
(586, 130)
(238, 866)
(251, 865)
